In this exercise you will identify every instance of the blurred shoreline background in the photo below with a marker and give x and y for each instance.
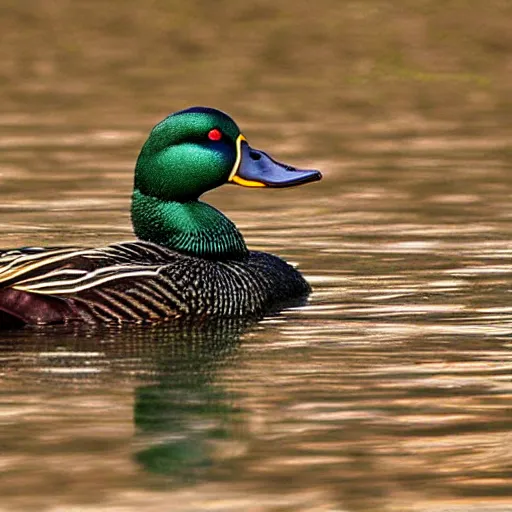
(338, 61)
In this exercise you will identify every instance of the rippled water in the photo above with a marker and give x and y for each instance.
(389, 391)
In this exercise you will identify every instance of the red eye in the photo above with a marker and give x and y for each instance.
(215, 134)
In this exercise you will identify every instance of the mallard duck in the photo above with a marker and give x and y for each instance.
(189, 260)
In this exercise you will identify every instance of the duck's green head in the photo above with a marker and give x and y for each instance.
(200, 148)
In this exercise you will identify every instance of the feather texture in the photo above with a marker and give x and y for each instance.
(138, 282)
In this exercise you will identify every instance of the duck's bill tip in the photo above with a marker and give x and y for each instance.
(292, 177)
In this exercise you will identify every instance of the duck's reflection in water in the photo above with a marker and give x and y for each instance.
(184, 419)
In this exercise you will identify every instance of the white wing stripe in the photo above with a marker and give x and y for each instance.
(54, 273)
(84, 277)
(41, 287)
(58, 256)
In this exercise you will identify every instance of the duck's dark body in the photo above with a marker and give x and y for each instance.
(138, 282)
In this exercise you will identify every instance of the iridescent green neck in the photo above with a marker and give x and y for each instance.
(191, 227)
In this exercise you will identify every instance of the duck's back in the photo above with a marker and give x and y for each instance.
(137, 282)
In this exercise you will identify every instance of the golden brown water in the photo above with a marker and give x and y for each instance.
(389, 391)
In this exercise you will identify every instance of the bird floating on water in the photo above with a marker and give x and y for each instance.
(189, 259)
